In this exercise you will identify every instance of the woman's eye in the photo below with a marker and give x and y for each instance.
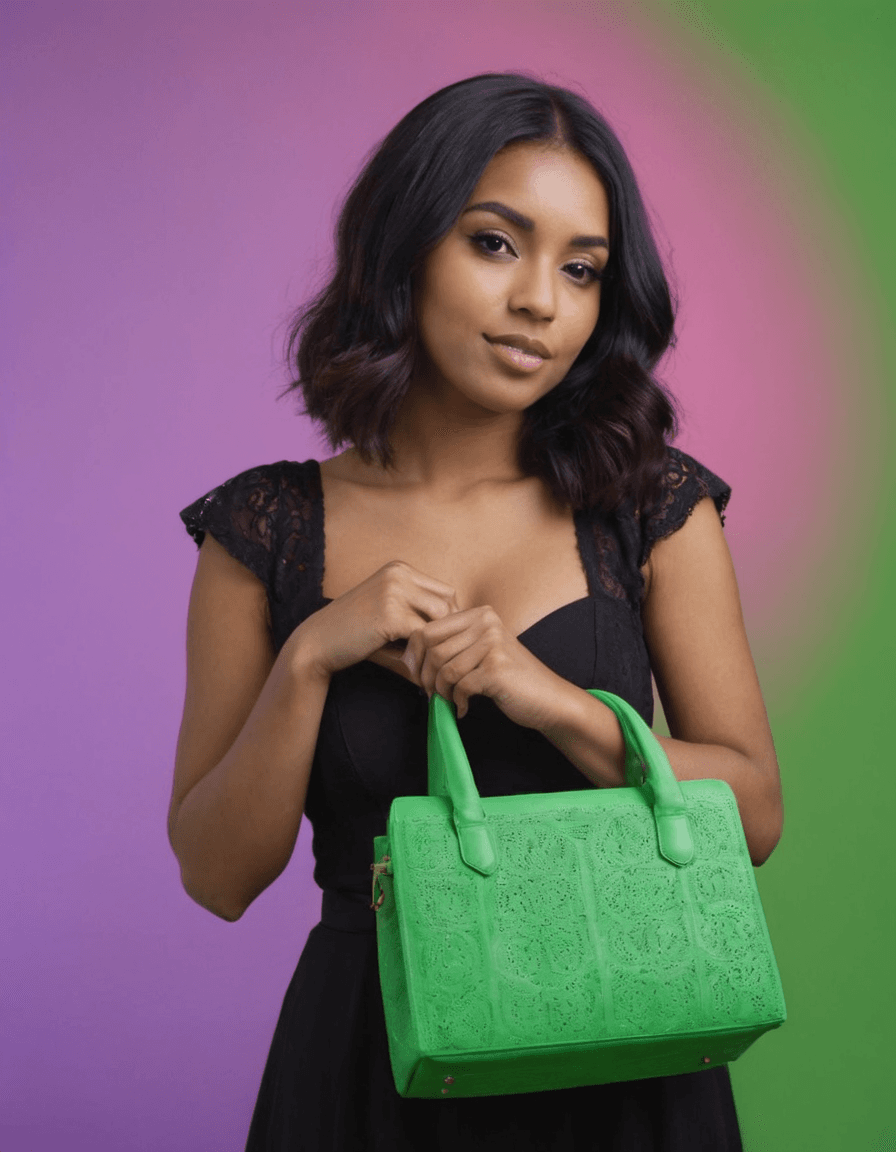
(482, 238)
(492, 242)
(590, 273)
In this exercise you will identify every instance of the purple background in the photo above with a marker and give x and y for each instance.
(171, 177)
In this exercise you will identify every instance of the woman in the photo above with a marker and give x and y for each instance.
(507, 527)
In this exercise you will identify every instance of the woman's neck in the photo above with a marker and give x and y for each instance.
(450, 449)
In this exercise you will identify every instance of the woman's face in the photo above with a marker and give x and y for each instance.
(519, 265)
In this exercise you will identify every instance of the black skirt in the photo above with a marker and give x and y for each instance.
(328, 1086)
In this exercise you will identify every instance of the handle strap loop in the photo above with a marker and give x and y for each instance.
(646, 767)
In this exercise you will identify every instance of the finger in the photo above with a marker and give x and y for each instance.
(437, 631)
(433, 657)
(426, 593)
(400, 570)
(407, 610)
(461, 675)
(415, 653)
(473, 684)
(424, 637)
(431, 607)
(412, 657)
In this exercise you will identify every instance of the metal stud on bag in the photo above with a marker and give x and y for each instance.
(379, 870)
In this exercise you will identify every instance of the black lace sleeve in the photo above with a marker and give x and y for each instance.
(271, 519)
(241, 514)
(686, 483)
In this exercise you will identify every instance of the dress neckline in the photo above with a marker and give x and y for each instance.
(581, 538)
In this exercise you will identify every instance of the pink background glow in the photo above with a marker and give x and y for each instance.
(171, 176)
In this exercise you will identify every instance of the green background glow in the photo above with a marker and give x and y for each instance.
(824, 1082)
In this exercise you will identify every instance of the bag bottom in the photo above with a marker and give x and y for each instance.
(541, 1070)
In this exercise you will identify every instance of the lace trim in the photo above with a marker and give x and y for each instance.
(299, 569)
(685, 483)
(257, 515)
(677, 475)
(606, 549)
(298, 524)
(241, 515)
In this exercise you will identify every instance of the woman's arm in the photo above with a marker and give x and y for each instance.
(701, 660)
(246, 741)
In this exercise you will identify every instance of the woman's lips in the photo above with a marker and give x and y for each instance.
(523, 360)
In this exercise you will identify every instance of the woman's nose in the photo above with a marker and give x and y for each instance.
(534, 290)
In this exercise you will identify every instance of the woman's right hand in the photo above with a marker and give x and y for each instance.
(374, 620)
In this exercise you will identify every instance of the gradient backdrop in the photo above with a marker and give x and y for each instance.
(171, 175)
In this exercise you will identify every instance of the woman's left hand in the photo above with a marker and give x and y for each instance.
(471, 653)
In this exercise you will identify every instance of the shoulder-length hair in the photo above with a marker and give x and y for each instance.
(599, 437)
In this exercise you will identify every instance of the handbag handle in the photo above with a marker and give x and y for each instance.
(646, 767)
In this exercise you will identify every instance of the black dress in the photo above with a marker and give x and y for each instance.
(328, 1085)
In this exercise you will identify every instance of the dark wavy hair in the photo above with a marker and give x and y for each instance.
(599, 437)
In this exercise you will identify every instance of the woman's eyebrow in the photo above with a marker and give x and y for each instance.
(528, 225)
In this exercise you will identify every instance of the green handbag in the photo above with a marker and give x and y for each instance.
(547, 941)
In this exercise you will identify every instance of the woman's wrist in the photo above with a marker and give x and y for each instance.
(304, 659)
(588, 734)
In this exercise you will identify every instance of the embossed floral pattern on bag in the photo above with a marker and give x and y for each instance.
(634, 957)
